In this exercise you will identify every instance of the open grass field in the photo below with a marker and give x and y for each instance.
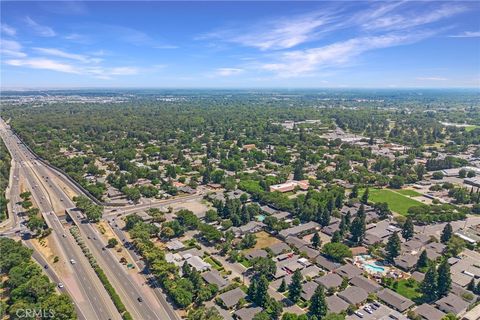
(407, 289)
(470, 128)
(408, 192)
(396, 201)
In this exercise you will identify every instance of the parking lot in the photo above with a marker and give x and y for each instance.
(382, 312)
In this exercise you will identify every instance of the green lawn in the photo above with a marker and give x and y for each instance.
(408, 192)
(470, 128)
(215, 265)
(396, 201)
(408, 291)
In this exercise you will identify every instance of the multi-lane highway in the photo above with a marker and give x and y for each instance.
(79, 279)
(141, 301)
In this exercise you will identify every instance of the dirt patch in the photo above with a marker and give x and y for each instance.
(264, 240)
(49, 250)
(107, 233)
(196, 206)
(68, 191)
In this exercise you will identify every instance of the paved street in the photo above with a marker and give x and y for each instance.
(84, 286)
(139, 300)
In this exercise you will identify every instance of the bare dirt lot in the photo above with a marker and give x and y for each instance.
(264, 240)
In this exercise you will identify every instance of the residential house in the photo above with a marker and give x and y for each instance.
(336, 305)
(214, 277)
(348, 271)
(247, 313)
(230, 298)
(353, 295)
(366, 284)
(428, 312)
(452, 304)
(330, 281)
(394, 300)
(308, 289)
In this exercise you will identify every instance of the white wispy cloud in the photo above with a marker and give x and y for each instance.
(432, 78)
(466, 34)
(96, 71)
(301, 62)
(226, 72)
(42, 63)
(413, 18)
(11, 48)
(8, 30)
(67, 55)
(280, 33)
(41, 30)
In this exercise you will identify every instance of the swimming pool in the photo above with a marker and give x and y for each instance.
(369, 265)
(260, 217)
(374, 268)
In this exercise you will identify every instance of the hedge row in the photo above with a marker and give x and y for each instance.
(101, 275)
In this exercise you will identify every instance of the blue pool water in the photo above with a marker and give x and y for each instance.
(374, 268)
(260, 217)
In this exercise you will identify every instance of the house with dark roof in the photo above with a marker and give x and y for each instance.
(330, 281)
(214, 277)
(268, 210)
(348, 271)
(434, 250)
(428, 312)
(247, 313)
(366, 284)
(353, 295)
(336, 305)
(308, 289)
(452, 303)
(310, 252)
(257, 253)
(305, 228)
(296, 242)
(326, 264)
(279, 247)
(280, 215)
(418, 276)
(330, 229)
(394, 300)
(406, 261)
(310, 272)
(230, 298)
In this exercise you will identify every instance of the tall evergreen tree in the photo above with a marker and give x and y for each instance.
(429, 285)
(261, 296)
(283, 286)
(295, 286)
(252, 289)
(365, 196)
(186, 270)
(471, 285)
(444, 278)
(298, 171)
(316, 242)
(393, 246)
(357, 230)
(422, 261)
(407, 229)
(446, 233)
(318, 304)
(354, 193)
(336, 237)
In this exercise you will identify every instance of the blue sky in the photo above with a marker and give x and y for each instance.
(240, 44)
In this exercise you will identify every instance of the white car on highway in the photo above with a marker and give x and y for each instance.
(72, 261)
